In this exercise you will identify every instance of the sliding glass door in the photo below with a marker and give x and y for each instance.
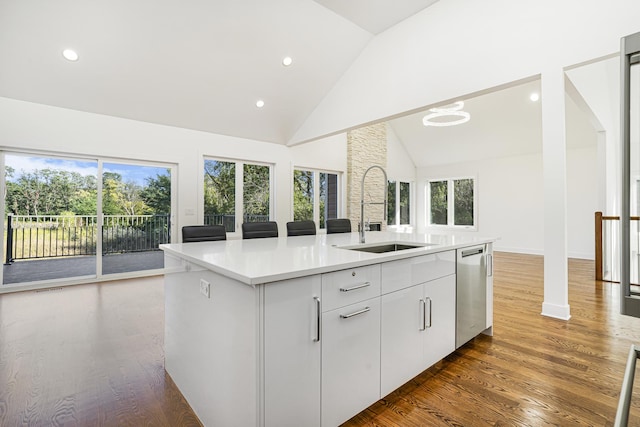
(61, 222)
(50, 221)
(630, 126)
(136, 216)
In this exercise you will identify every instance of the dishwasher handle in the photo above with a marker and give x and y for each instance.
(474, 251)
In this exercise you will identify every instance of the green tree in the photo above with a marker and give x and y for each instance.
(438, 202)
(463, 202)
(219, 187)
(302, 195)
(112, 193)
(157, 193)
(391, 202)
(85, 199)
(255, 193)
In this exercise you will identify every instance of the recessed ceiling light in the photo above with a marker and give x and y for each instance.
(534, 96)
(286, 61)
(70, 55)
(259, 103)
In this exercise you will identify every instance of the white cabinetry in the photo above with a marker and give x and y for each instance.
(418, 319)
(292, 353)
(350, 343)
(310, 351)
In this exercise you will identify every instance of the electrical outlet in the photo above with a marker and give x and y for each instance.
(205, 288)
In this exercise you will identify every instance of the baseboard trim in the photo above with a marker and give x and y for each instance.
(561, 312)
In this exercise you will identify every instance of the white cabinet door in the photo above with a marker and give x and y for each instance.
(292, 353)
(440, 316)
(401, 338)
(418, 329)
(350, 360)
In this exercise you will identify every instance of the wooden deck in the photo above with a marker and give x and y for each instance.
(92, 355)
(58, 268)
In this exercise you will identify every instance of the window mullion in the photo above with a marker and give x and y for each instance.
(450, 203)
(239, 195)
(316, 197)
(396, 220)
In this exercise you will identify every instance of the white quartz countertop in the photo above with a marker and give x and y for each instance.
(258, 261)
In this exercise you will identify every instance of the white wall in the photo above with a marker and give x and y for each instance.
(510, 200)
(399, 163)
(29, 126)
(581, 202)
(328, 153)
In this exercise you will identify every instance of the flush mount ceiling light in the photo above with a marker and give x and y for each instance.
(259, 103)
(70, 55)
(286, 61)
(534, 96)
(452, 110)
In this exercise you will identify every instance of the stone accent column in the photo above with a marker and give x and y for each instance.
(366, 147)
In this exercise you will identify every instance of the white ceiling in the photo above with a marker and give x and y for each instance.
(375, 16)
(487, 134)
(199, 64)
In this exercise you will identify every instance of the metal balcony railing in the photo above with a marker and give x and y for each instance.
(48, 236)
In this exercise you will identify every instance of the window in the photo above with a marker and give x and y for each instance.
(315, 196)
(398, 203)
(235, 188)
(452, 202)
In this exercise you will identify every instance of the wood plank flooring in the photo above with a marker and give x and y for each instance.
(92, 355)
(87, 355)
(534, 371)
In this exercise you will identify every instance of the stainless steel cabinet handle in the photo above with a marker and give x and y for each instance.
(427, 315)
(353, 288)
(489, 265)
(318, 322)
(355, 313)
(471, 252)
(423, 309)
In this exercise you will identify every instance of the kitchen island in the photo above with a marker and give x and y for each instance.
(311, 330)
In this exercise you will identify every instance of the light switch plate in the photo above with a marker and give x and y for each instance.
(205, 288)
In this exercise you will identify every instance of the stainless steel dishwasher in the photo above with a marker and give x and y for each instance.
(471, 293)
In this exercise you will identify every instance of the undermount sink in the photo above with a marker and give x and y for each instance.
(381, 248)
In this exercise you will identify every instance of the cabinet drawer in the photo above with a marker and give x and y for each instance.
(407, 272)
(350, 361)
(344, 287)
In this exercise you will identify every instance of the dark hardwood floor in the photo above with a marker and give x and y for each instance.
(87, 355)
(534, 371)
(92, 355)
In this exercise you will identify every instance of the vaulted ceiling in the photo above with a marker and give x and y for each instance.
(197, 64)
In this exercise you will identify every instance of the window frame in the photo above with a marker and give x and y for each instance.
(397, 225)
(239, 190)
(451, 203)
(316, 193)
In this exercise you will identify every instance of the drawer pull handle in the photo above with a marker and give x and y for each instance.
(353, 288)
(425, 313)
(318, 322)
(355, 313)
(427, 323)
